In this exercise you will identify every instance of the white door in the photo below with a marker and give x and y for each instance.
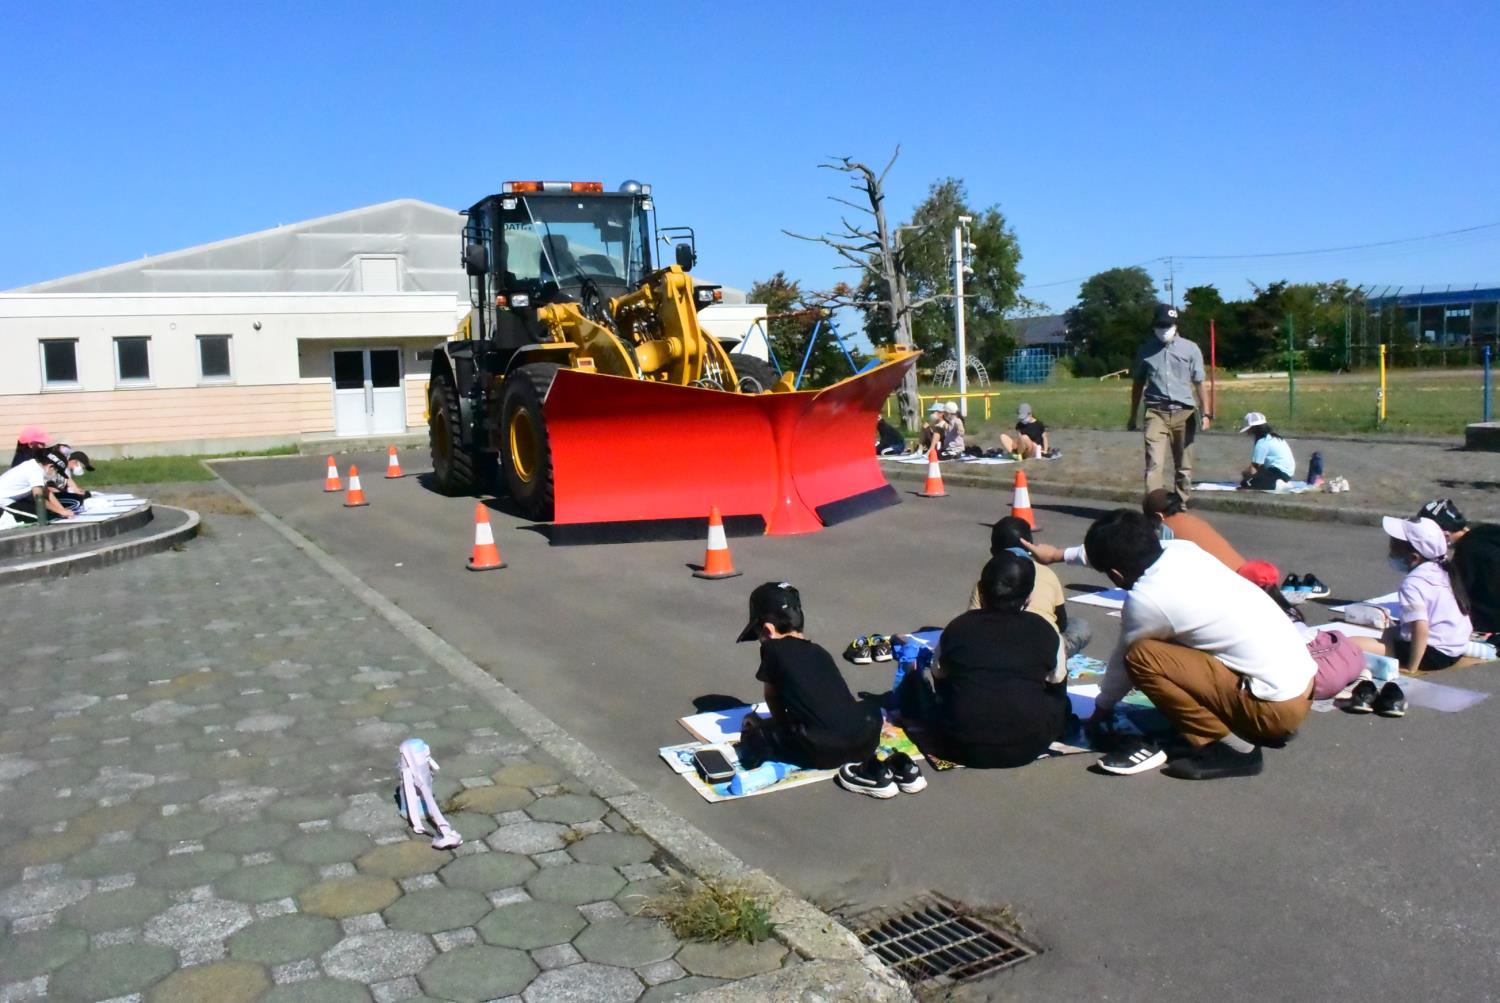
(369, 397)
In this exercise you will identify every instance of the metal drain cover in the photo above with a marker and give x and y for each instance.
(933, 941)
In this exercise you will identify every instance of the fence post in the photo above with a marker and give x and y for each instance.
(1291, 371)
(1487, 384)
(1380, 394)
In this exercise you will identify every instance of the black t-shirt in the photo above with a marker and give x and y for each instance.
(1033, 430)
(1476, 564)
(995, 689)
(813, 691)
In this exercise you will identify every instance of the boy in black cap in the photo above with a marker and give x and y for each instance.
(815, 721)
(1473, 562)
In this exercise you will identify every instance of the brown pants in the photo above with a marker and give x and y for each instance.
(1204, 699)
(1174, 431)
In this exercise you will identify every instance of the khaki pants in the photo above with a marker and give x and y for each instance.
(1204, 699)
(1175, 430)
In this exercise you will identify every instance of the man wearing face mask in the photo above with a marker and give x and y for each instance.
(1168, 374)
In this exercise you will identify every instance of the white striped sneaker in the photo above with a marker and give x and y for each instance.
(1137, 758)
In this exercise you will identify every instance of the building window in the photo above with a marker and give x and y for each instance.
(133, 360)
(213, 357)
(60, 363)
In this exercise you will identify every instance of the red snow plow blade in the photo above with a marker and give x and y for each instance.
(634, 459)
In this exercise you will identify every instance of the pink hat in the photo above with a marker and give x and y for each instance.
(1261, 573)
(32, 434)
(1425, 536)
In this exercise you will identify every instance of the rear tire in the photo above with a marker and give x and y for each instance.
(756, 376)
(456, 469)
(524, 445)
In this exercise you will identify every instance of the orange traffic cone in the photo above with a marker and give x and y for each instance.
(486, 556)
(1020, 502)
(934, 488)
(716, 560)
(356, 496)
(392, 466)
(331, 482)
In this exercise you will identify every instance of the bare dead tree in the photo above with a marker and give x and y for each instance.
(871, 247)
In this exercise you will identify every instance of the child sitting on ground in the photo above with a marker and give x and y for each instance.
(815, 722)
(1030, 441)
(1047, 599)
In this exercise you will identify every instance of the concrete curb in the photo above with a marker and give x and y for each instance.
(99, 557)
(1248, 504)
(813, 934)
(61, 535)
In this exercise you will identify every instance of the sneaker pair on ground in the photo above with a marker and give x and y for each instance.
(1214, 761)
(1334, 485)
(1388, 701)
(897, 774)
(867, 648)
(1306, 586)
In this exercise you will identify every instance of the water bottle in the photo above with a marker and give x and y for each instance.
(1315, 470)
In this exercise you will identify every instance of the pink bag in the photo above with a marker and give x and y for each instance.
(1340, 662)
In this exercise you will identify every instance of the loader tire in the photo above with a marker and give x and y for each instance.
(525, 450)
(756, 375)
(456, 469)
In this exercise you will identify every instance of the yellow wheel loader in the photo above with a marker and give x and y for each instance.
(583, 383)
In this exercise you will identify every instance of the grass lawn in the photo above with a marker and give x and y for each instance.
(162, 469)
(1439, 402)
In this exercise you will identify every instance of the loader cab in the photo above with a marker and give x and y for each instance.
(539, 242)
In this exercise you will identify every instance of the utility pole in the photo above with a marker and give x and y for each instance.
(960, 266)
(1171, 281)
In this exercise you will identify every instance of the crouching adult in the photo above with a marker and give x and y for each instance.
(1214, 654)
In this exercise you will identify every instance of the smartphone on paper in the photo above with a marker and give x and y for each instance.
(713, 765)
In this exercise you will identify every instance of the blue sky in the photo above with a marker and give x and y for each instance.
(1109, 134)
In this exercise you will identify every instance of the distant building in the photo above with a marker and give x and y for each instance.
(1450, 317)
(1051, 331)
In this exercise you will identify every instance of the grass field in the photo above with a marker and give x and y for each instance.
(1439, 402)
(162, 469)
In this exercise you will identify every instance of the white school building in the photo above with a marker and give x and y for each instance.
(309, 331)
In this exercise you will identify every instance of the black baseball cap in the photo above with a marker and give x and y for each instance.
(1446, 514)
(765, 601)
(1166, 315)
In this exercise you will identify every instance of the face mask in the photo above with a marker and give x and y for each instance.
(76, 472)
(1398, 564)
(1166, 334)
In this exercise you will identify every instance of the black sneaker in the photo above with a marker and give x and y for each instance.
(874, 780)
(858, 651)
(1292, 582)
(1134, 757)
(1314, 588)
(1216, 761)
(1362, 700)
(906, 773)
(1391, 701)
(880, 648)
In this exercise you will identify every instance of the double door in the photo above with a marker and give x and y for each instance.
(369, 397)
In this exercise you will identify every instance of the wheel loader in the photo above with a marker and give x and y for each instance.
(582, 386)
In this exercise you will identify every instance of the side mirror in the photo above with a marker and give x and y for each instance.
(476, 259)
(686, 259)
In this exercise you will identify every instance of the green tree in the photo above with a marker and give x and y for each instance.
(1111, 319)
(791, 323)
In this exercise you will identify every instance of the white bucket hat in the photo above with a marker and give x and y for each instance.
(1253, 419)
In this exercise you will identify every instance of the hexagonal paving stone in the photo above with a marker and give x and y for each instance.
(528, 837)
(25, 955)
(626, 942)
(265, 882)
(111, 818)
(32, 898)
(530, 925)
(678, 989)
(183, 825)
(45, 849)
(433, 910)
(188, 870)
(636, 894)
(494, 799)
(471, 825)
(176, 792)
(732, 961)
(220, 981)
(378, 956)
(193, 923)
(113, 971)
(613, 848)
(577, 983)
(322, 848)
(321, 991)
(124, 857)
(113, 910)
(251, 837)
(575, 884)
(567, 808)
(477, 973)
(304, 809)
(403, 860)
(281, 939)
(526, 775)
(352, 896)
(485, 872)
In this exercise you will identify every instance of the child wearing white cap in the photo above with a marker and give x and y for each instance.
(1270, 461)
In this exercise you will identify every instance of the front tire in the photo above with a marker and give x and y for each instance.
(756, 376)
(456, 469)
(525, 447)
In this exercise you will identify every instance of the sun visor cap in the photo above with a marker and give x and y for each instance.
(766, 601)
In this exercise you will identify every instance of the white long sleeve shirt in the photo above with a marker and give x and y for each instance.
(1190, 598)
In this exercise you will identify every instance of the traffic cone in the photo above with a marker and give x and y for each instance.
(331, 482)
(1020, 502)
(934, 488)
(716, 560)
(486, 556)
(356, 496)
(393, 466)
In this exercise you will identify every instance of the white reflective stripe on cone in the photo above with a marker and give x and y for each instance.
(716, 539)
(932, 469)
(1023, 498)
(354, 483)
(483, 534)
(333, 470)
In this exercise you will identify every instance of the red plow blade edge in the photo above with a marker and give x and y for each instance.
(633, 459)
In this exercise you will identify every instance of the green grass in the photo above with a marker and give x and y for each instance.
(163, 469)
(1418, 402)
(713, 912)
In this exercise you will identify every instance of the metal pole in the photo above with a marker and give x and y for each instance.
(1213, 364)
(1380, 394)
(1486, 383)
(958, 316)
(1291, 371)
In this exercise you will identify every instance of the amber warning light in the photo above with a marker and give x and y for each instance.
(512, 187)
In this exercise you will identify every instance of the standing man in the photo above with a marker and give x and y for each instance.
(1169, 374)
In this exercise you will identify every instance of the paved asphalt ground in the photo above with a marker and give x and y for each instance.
(1361, 864)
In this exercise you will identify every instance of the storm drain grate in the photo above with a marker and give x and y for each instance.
(933, 941)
